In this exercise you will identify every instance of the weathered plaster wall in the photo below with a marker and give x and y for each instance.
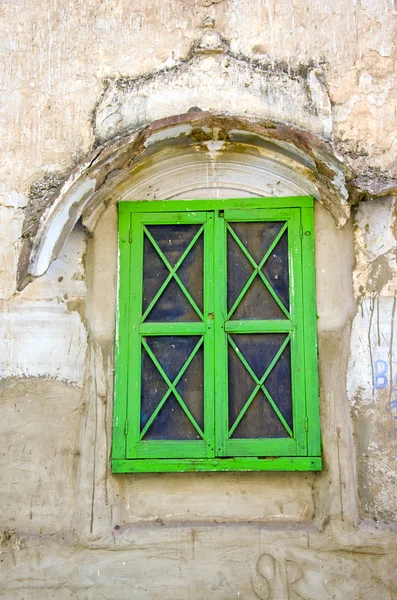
(372, 364)
(76, 73)
(55, 56)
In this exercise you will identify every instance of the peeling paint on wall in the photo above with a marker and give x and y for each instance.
(278, 97)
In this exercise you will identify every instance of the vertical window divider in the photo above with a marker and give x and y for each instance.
(310, 334)
(220, 294)
(120, 422)
(135, 345)
(209, 345)
(297, 345)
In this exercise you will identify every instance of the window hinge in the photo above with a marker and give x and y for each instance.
(130, 236)
(126, 427)
(301, 231)
(306, 424)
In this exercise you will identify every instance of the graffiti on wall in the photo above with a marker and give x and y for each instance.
(383, 379)
(277, 578)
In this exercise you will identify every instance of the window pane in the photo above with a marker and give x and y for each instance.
(191, 272)
(260, 419)
(173, 303)
(257, 301)
(278, 384)
(172, 306)
(257, 237)
(173, 239)
(171, 422)
(276, 270)
(154, 273)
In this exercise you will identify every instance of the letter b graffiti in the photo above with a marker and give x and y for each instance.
(381, 369)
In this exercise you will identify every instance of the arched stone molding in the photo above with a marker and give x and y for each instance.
(210, 76)
(191, 155)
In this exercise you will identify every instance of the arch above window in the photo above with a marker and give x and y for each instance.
(195, 155)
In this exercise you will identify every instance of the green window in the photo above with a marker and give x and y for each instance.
(216, 365)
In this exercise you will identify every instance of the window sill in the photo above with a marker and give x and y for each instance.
(285, 463)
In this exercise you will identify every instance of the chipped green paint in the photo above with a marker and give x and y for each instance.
(214, 449)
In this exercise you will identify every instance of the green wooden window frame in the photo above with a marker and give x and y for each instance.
(214, 449)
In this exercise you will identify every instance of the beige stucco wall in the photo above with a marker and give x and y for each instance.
(71, 529)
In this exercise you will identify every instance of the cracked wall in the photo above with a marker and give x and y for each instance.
(71, 529)
(372, 383)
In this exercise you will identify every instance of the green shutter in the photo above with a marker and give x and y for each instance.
(270, 327)
(216, 344)
(168, 331)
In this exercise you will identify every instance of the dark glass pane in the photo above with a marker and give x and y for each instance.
(172, 351)
(173, 304)
(153, 388)
(239, 270)
(258, 302)
(154, 273)
(279, 385)
(258, 349)
(276, 270)
(173, 239)
(191, 272)
(260, 420)
(171, 422)
(191, 387)
(257, 237)
(240, 383)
